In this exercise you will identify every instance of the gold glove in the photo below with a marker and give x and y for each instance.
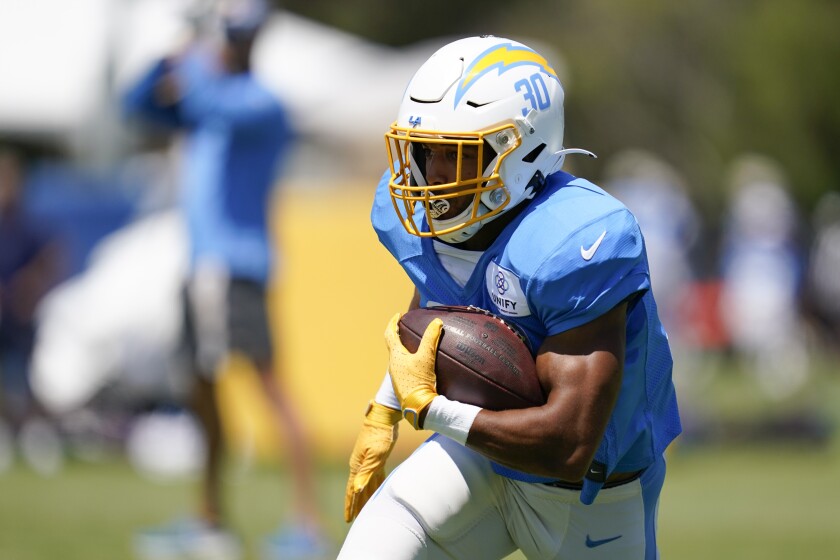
(367, 461)
(413, 375)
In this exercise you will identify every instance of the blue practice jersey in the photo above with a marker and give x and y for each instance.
(237, 132)
(572, 255)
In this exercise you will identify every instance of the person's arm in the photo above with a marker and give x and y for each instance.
(581, 372)
(152, 96)
(374, 443)
(385, 396)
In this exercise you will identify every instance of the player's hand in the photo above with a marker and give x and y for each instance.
(367, 461)
(413, 375)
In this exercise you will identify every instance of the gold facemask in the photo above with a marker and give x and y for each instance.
(483, 183)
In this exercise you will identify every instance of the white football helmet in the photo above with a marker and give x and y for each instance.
(493, 93)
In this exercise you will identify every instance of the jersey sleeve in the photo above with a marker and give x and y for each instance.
(385, 220)
(140, 100)
(596, 268)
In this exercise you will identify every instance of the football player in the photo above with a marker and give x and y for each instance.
(476, 209)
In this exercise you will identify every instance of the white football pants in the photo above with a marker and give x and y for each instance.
(445, 502)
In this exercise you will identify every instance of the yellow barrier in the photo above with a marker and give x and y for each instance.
(335, 290)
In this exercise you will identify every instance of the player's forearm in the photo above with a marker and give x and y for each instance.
(519, 439)
(529, 440)
(581, 370)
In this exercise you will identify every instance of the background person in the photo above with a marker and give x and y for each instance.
(237, 134)
(30, 266)
(763, 270)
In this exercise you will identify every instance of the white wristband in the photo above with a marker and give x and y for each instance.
(386, 396)
(451, 418)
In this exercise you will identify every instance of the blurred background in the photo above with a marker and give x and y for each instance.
(715, 122)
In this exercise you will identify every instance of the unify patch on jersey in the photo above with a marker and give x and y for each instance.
(505, 291)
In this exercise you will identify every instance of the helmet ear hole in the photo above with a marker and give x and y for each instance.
(532, 156)
(489, 156)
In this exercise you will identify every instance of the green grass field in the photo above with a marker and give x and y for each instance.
(734, 499)
(761, 504)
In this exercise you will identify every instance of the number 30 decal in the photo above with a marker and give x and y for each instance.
(535, 92)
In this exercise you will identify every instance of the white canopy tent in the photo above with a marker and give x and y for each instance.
(53, 61)
(62, 64)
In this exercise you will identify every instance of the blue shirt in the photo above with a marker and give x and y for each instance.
(22, 240)
(237, 134)
(573, 254)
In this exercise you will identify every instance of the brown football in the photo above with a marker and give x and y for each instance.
(481, 360)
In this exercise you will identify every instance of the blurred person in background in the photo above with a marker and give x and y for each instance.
(762, 266)
(658, 197)
(30, 265)
(236, 135)
(656, 194)
(823, 294)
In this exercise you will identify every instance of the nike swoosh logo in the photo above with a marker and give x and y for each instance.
(587, 254)
(592, 544)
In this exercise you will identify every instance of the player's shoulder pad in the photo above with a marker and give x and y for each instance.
(382, 214)
(568, 223)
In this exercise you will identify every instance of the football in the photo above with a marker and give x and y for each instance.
(480, 360)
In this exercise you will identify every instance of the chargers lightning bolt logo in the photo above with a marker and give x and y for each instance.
(502, 58)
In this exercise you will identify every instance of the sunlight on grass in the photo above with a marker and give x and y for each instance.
(733, 499)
